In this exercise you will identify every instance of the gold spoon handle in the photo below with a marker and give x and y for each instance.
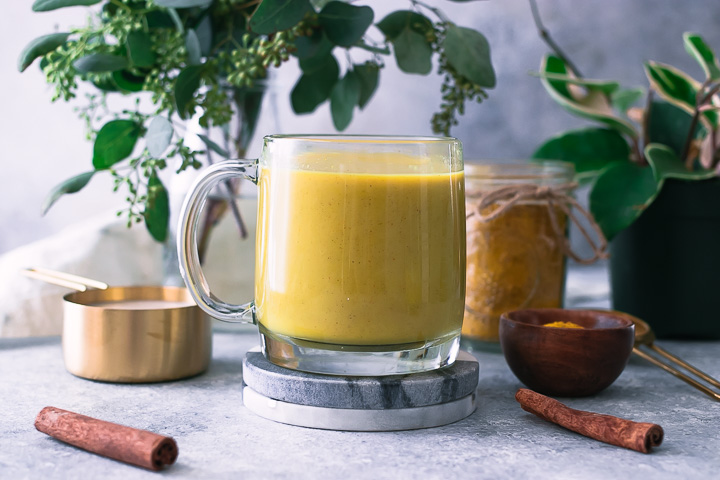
(677, 373)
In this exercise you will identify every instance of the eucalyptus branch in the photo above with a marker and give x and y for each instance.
(545, 35)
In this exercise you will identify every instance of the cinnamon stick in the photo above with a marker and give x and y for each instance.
(127, 444)
(606, 428)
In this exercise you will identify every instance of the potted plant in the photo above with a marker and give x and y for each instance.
(654, 191)
(208, 59)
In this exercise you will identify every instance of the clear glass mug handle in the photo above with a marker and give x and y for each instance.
(187, 240)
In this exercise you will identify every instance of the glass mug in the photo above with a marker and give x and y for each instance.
(360, 252)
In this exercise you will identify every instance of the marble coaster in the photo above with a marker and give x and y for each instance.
(359, 420)
(395, 392)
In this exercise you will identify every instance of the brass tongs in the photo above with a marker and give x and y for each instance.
(645, 336)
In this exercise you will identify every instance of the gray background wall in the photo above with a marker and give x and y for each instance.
(43, 143)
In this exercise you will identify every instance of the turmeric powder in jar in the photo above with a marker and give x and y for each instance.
(515, 256)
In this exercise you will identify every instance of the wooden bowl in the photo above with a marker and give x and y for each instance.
(567, 362)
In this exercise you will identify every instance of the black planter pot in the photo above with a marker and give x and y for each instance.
(665, 268)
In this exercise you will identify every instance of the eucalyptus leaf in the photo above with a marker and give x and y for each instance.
(186, 84)
(71, 185)
(127, 81)
(345, 95)
(666, 163)
(275, 15)
(345, 24)
(47, 5)
(139, 47)
(192, 43)
(183, 3)
(620, 194)
(106, 83)
(369, 76)
(157, 208)
(100, 62)
(316, 46)
(678, 88)
(669, 125)
(158, 136)
(39, 47)
(205, 35)
(412, 52)
(314, 88)
(623, 99)
(593, 106)
(114, 142)
(468, 52)
(590, 150)
(396, 22)
(213, 146)
(700, 51)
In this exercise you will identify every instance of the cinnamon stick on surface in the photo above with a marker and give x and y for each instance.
(127, 444)
(606, 428)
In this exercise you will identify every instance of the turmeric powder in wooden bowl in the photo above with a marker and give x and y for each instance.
(566, 353)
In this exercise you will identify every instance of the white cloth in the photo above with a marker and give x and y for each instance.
(102, 248)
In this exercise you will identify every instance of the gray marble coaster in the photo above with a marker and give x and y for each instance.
(359, 420)
(390, 392)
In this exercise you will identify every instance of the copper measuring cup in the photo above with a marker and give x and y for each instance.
(645, 337)
(130, 334)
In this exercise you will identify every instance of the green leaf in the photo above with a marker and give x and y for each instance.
(412, 52)
(314, 88)
(700, 51)
(192, 43)
(607, 87)
(590, 150)
(114, 142)
(71, 185)
(186, 84)
(620, 194)
(591, 104)
(315, 46)
(396, 22)
(345, 95)
(274, 15)
(106, 83)
(214, 146)
(139, 47)
(369, 75)
(39, 47)
(345, 24)
(205, 35)
(183, 3)
(678, 88)
(249, 103)
(47, 5)
(468, 52)
(157, 208)
(666, 163)
(623, 99)
(127, 81)
(158, 136)
(669, 125)
(100, 62)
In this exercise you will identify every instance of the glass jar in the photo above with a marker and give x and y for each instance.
(515, 250)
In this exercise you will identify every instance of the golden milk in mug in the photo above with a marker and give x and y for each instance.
(360, 252)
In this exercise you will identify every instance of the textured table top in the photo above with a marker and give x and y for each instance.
(219, 438)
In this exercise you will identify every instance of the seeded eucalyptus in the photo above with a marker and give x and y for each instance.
(209, 58)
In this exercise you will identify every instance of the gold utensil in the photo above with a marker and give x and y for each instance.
(130, 334)
(644, 337)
